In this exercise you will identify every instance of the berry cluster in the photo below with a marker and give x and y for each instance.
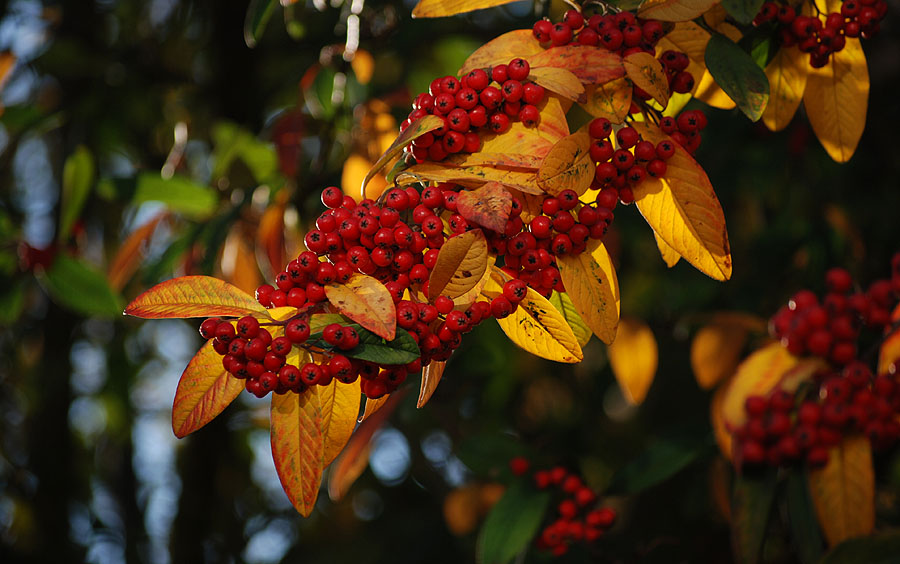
(830, 329)
(577, 519)
(483, 99)
(857, 18)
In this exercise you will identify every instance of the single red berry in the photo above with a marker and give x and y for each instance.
(208, 327)
(332, 197)
(533, 93)
(501, 307)
(519, 465)
(443, 304)
(518, 69)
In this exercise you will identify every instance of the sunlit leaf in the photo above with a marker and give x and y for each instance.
(130, 253)
(568, 165)
(366, 301)
(691, 39)
(461, 263)
(178, 193)
(669, 255)
(442, 8)
(501, 160)
(270, 234)
(536, 141)
(647, 73)
(298, 446)
(611, 100)
(590, 64)
(523, 180)
(204, 391)
(518, 43)
(634, 357)
(339, 404)
(234, 142)
(591, 290)
(738, 75)
(431, 377)
(558, 80)
(787, 74)
(193, 296)
(415, 130)
(488, 206)
(758, 374)
(716, 348)
(78, 286)
(563, 304)
(511, 524)
(239, 266)
(78, 176)
(674, 10)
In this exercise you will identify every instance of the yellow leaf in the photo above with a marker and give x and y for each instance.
(590, 64)
(298, 446)
(669, 255)
(204, 391)
(535, 141)
(194, 296)
(130, 254)
(646, 72)
(568, 165)
(563, 304)
(836, 101)
(366, 301)
(460, 265)
(787, 73)
(356, 166)
(470, 297)
(716, 348)
(415, 130)
(684, 210)
(488, 206)
(674, 10)
(340, 408)
(843, 492)
(499, 51)
(363, 65)
(757, 375)
(602, 258)
(443, 8)
(611, 100)
(525, 181)
(558, 80)
(502, 160)
(591, 291)
(431, 377)
(691, 39)
(634, 357)
(537, 327)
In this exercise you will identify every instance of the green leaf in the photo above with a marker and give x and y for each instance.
(874, 549)
(761, 46)
(12, 302)
(180, 194)
(563, 304)
(233, 142)
(742, 10)
(74, 284)
(738, 75)
(511, 524)
(258, 14)
(751, 506)
(402, 350)
(78, 176)
(659, 462)
(806, 537)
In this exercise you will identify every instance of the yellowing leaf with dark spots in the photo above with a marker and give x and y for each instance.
(591, 291)
(568, 165)
(787, 73)
(460, 265)
(611, 100)
(204, 391)
(634, 357)
(431, 377)
(415, 130)
(518, 43)
(558, 80)
(674, 10)
(590, 64)
(488, 206)
(669, 255)
(646, 72)
(366, 301)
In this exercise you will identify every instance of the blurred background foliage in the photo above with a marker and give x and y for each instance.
(145, 140)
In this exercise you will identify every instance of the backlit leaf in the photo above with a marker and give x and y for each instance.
(193, 296)
(558, 80)
(691, 39)
(716, 348)
(511, 524)
(568, 165)
(239, 266)
(518, 43)
(340, 408)
(611, 100)
(431, 377)
(488, 206)
(757, 375)
(374, 405)
(669, 255)
(634, 357)
(684, 210)
(563, 304)
(502, 160)
(751, 508)
(590, 64)
(178, 193)
(646, 72)
(78, 286)
(523, 180)
(738, 75)
(204, 391)
(460, 265)
(298, 446)
(415, 130)
(843, 492)
(130, 253)
(787, 74)
(674, 10)
(270, 234)
(536, 141)
(78, 176)
(836, 100)
(366, 301)
(591, 290)
(442, 8)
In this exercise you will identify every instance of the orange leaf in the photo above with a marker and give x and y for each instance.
(298, 446)
(501, 160)
(787, 73)
(129, 256)
(674, 10)
(592, 292)
(374, 405)
(518, 43)
(415, 130)
(646, 72)
(442, 8)
(431, 377)
(590, 64)
(568, 165)
(460, 265)
(684, 210)
(757, 375)
(843, 492)
(889, 354)
(611, 100)
(270, 234)
(204, 390)
(634, 357)
(366, 301)
(716, 348)
(523, 180)
(239, 265)
(558, 80)
(488, 206)
(193, 296)
(669, 255)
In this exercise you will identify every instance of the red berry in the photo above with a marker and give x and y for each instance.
(519, 465)
(518, 69)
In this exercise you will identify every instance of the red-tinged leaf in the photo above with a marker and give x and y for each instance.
(130, 254)
(674, 10)
(518, 43)
(684, 210)
(488, 206)
(431, 377)
(415, 130)
(558, 80)
(270, 234)
(460, 265)
(611, 100)
(204, 391)
(339, 403)
(889, 354)
(669, 255)
(590, 64)
(374, 405)
(568, 165)
(592, 291)
(787, 73)
(366, 301)
(522, 180)
(634, 356)
(239, 265)
(646, 72)
(443, 8)
(499, 160)
(757, 375)
(193, 296)
(298, 446)
(843, 492)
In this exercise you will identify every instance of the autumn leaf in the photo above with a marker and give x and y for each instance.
(374, 405)
(204, 391)
(611, 100)
(460, 264)
(674, 10)
(716, 348)
(415, 130)
(339, 404)
(590, 64)
(431, 377)
(683, 209)
(239, 266)
(193, 296)
(843, 492)
(669, 255)
(523, 180)
(499, 160)
(536, 141)
(758, 374)
(787, 73)
(836, 100)
(442, 8)
(568, 165)
(130, 254)
(592, 292)
(646, 72)
(518, 43)
(634, 357)
(563, 304)
(558, 80)
(488, 206)
(298, 446)
(366, 301)
(889, 353)
(270, 234)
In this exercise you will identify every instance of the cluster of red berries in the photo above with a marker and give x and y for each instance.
(483, 99)
(857, 18)
(685, 129)
(576, 519)
(830, 329)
